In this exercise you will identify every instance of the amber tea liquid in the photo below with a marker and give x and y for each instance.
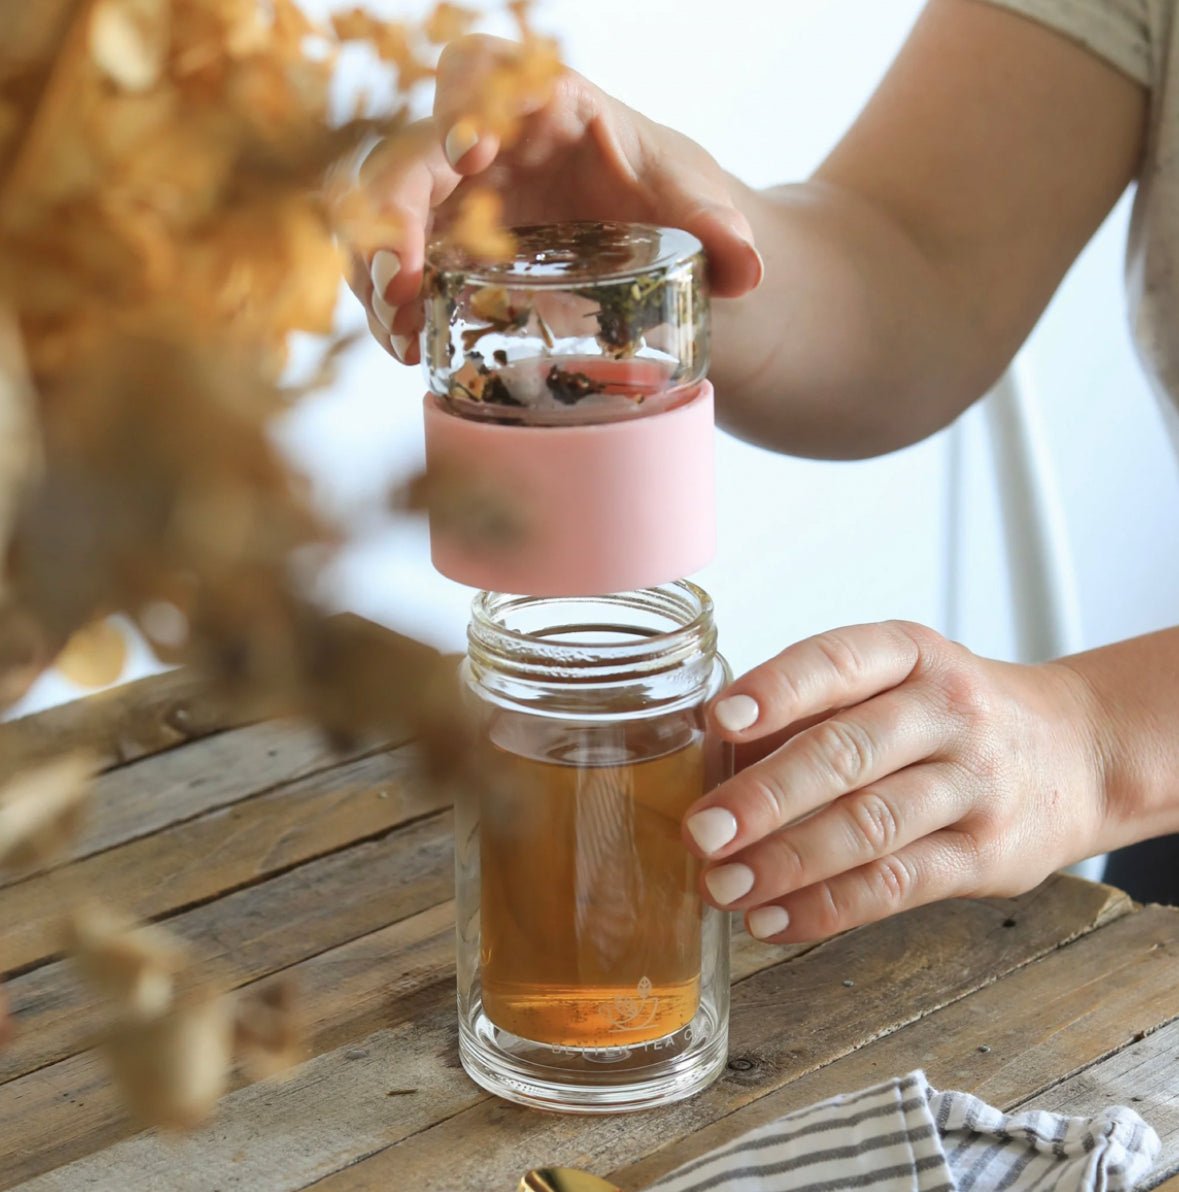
(590, 913)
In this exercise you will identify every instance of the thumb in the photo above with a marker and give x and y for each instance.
(734, 265)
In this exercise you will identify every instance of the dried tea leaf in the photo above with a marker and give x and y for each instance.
(95, 655)
(129, 41)
(474, 380)
(41, 810)
(172, 1069)
(267, 1030)
(134, 966)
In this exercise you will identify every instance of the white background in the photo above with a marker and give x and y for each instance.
(768, 87)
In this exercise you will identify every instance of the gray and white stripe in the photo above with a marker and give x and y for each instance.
(904, 1136)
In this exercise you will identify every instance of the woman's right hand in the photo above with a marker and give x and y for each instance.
(582, 155)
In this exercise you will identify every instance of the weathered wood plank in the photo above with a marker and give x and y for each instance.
(255, 931)
(282, 1138)
(161, 711)
(1009, 1043)
(67, 1109)
(788, 1021)
(1144, 1076)
(224, 849)
(118, 725)
(167, 788)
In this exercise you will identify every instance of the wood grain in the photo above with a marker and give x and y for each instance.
(118, 725)
(253, 1143)
(1009, 1043)
(1144, 1076)
(223, 850)
(263, 929)
(168, 788)
(920, 961)
(256, 931)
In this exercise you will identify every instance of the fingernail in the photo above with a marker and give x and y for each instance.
(385, 267)
(712, 829)
(729, 882)
(737, 713)
(401, 345)
(761, 265)
(462, 138)
(767, 921)
(386, 312)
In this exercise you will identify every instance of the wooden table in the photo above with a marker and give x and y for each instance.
(264, 849)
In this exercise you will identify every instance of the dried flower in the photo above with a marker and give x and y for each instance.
(95, 655)
(41, 810)
(172, 1069)
(129, 41)
(135, 967)
(478, 227)
(267, 1031)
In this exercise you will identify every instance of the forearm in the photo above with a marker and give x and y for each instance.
(1130, 691)
(855, 344)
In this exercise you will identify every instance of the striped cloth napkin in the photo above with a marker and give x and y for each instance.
(902, 1135)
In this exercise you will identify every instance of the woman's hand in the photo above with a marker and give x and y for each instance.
(898, 769)
(582, 155)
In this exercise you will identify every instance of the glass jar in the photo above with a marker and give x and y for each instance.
(592, 977)
(587, 322)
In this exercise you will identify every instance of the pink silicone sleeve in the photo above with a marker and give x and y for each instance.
(601, 508)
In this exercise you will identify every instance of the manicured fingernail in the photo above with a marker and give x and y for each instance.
(386, 312)
(401, 345)
(729, 882)
(462, 138)
(761, 265)
(712, 829)
(385, 267)
(767, 921)
(737, 713)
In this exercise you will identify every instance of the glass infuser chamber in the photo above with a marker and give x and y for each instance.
(569, 383)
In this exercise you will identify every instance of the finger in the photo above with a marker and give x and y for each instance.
(735, 267)
(831, 670)
(942, 865)
(477, 100)
(840, 754)
(380, 334)
(861, 827)
(408, 176)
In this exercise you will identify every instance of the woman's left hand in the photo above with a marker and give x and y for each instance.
(898, 768)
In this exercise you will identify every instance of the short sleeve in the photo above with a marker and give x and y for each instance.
(1118, 31)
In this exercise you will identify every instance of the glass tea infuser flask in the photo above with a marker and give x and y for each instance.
(568, 390)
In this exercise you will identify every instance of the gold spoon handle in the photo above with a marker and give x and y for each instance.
(564, 1179)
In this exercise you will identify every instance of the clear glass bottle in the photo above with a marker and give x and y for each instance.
(568, 406)
(592, 977)
(587, 322)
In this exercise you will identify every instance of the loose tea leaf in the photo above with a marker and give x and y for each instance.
(476, 381)
(570, 387)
